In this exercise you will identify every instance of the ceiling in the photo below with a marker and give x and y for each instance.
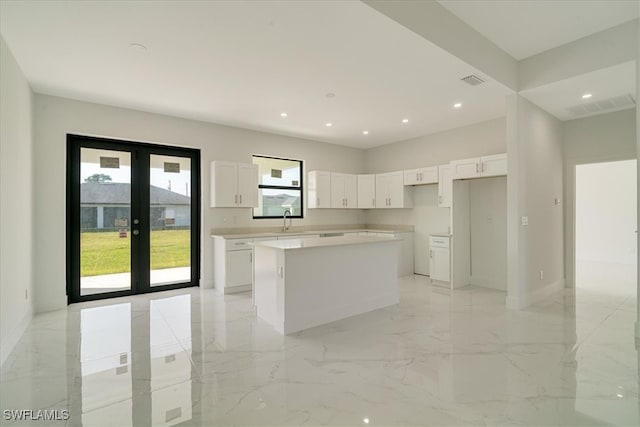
(523, 28)
(243, 63)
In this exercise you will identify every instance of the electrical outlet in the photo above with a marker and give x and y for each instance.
(524, 220)
(541, 274)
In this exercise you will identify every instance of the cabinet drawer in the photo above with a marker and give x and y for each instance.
(438, 242)
(238, 244)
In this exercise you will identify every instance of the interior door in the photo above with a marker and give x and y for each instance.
(133, 218)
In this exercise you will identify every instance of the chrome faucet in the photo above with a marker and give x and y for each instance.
(285, 227)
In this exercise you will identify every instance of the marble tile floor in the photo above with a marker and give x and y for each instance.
(197, 358)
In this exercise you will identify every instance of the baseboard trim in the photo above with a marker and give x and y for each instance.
(52, 304)
(518, 302)
(12, 338)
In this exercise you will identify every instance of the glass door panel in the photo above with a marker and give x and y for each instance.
(105, 219)
(169, 219)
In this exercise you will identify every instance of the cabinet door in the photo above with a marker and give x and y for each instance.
(412, 177)
(351, 191)
(429, 175)
(467, 168)
(494, 165)
(382, 190)
(366, 191)
(239, 268)
(396, 190)
(224, 184)
(439, 263)
(445, 186)
(337, 190)
(319, 189)
(247, 185)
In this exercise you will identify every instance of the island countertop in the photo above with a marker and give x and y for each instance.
(316, 242)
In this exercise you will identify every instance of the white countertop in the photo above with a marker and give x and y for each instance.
(303, 243)
(301, 233)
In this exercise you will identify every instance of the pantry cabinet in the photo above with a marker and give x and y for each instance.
(445, 186)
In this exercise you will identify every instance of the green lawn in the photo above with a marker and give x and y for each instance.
(106, 253)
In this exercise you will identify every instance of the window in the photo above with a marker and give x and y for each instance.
(279, 187)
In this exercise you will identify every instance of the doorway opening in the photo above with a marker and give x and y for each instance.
(606, 227)
(133, 218)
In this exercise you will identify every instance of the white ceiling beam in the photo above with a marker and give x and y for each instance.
(436, 24)
(607, 48)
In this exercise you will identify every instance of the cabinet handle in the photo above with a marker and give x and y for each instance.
(483, 166)
(440, 199)
(430, 254)
(281, 272)
(236, 199)
(250, 257)
(373, 202)
(477, 171)
(240, 198)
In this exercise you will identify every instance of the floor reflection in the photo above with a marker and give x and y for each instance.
(195, 357)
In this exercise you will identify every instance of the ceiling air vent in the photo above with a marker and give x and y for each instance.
(472, 80)
(595, 107)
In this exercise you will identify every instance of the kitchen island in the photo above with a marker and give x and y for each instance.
(301, 283)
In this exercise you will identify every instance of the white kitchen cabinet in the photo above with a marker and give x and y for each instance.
(233, 263)
(445, 186)
(344, 190)
(319, 190)
(439, 259)
(479, 167)
(366, 191)
(405, 249)
(234, 185)
(391, 191)
(421, 176)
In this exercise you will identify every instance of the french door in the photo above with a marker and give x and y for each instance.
(133, 218)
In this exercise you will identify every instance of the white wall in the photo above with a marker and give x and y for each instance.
(16, 206)
(534, 181)
(606, 212)
(602, 138)
(480, 139)
(55, 117)
(488, 232)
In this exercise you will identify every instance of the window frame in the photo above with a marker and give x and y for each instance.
(281, 187)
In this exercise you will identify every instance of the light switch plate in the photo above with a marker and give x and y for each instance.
(524, 220)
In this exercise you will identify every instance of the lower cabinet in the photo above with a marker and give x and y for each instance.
(439, 259)
(233, 264)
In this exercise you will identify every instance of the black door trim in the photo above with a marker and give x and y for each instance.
(140, 153)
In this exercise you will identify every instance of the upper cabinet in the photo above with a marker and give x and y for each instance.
(319, 186)
(234, 185)
(391, 192)
(495, 165)
(421, 176)
(344, 190)
(445, 186)
(366, 191)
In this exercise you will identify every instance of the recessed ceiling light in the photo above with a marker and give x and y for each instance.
(365, 132)
(366, 420)
(138, 47)
(283, 114)
(457, 105)
(587, 96)
(329, 124)
(405, 120)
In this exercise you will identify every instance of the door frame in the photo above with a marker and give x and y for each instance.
(140, 255)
